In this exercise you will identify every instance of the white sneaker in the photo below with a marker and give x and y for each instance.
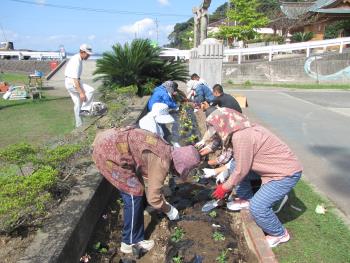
(237, 205)
(145, 244)
(273, 241)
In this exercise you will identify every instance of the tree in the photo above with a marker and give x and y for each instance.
(137, 64)
(247, 19)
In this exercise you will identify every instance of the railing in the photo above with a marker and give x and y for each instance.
(38, 55)
(270, 50)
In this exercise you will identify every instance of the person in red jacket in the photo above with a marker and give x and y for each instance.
(131, 158)
(256, 149)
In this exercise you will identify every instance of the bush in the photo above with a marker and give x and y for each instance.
(60, 154)
(23, 198)
(135, 64)
(18, 154)
(302, 36)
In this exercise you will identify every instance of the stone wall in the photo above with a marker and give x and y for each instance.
(322, 68)
(25, 66)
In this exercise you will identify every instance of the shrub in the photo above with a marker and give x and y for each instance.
(60, 154)
(136, 64)
(18, 154)
(25, 197)
(302, 36)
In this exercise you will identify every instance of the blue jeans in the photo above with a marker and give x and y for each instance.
(260, 205)
(133, 228)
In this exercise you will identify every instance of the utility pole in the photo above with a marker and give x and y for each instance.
(157, 31)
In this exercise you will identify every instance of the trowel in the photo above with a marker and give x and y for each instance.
(210, 205)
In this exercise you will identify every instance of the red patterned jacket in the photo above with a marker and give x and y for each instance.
(118, 156)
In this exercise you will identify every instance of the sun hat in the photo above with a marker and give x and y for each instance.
(160, 111)
(170, 86)
(86, 48)
(185, 159)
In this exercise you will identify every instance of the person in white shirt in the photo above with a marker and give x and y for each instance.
(81, 94)
(158, 115)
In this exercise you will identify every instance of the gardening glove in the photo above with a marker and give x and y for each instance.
(222, 177)
(220, 192)
(208, 172)
(199, 144)
(173, 214)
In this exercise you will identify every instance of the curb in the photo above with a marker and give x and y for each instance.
(256, 239)
(66, 234)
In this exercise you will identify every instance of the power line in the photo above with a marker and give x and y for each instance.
(96, 10)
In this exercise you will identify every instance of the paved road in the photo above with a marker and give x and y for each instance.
(315, 124)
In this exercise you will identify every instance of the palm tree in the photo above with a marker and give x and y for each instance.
(137, 64)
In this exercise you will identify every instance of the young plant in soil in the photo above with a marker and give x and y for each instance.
(178, 234)
(213, 214)
(120, 202)
(192, 139)
(99, 248)
(222, 257)
(217, 236)
(177, 259)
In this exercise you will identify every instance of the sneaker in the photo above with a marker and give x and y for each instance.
(274, 241)
(237, 204)
(145, 244)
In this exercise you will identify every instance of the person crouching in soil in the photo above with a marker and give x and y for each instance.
(256, 149)
(129, 158)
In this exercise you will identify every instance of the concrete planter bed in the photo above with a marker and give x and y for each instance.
(89, 221)
(221, 236)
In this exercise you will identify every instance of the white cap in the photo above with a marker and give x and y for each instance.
(86, 48)
(160, 111)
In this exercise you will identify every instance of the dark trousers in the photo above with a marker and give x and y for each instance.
(133, 228)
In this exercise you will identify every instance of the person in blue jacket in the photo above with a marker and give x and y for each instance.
(163, 94)
(203, 93)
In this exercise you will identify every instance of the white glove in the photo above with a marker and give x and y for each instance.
(221, 178)
(208, 172)
(199, 144)
(173, 214)
(230, 164)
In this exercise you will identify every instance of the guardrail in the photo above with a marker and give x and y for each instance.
(38, 55)
(270, 50)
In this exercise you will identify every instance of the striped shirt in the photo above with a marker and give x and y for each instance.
(258, 149)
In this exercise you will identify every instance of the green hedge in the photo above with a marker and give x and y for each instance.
(24, 197)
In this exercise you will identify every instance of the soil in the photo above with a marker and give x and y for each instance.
(197, 244)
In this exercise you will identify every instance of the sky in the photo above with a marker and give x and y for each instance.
(46, 24)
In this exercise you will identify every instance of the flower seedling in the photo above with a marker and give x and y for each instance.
(98, 247)
(177, 259)
(196, 178)
(222, 257)
(177, 235)
(192, 138)
(120, 202)
(217, 236)
(213, 214)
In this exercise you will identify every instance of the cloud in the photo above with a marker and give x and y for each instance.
(62, 37)
(164, 2)
(40, 2)
(140, 27)
(91, 37)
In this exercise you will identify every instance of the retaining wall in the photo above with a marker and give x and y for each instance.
(321, 68)
(25, 66)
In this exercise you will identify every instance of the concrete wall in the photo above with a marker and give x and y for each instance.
(25, 66)
(322, 68)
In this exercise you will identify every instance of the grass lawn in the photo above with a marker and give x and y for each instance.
(14, 78)
(314, 237)
(35, 122)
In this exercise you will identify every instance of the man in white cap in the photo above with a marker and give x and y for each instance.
(81, 94)
(158, 115)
